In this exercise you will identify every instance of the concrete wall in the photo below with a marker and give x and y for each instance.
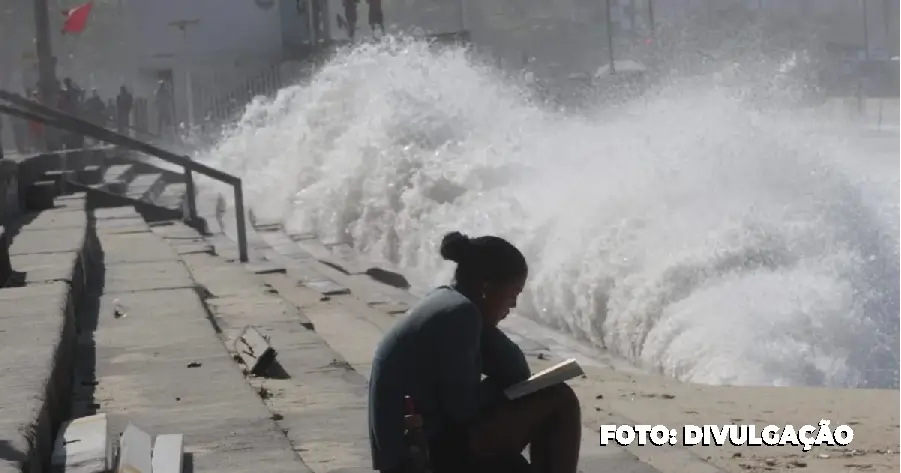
(224, 28)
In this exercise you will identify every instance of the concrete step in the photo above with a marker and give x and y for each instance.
(119, 173)
(143, 186)
(50, 253)
(318, 397)
(131, 176)
(160, 364)
(171, 196)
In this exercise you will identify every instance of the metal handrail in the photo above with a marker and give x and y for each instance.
(49, 116)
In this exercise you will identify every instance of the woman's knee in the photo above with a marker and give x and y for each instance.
(565, 398)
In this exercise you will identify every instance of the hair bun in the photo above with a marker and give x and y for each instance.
(454, 247)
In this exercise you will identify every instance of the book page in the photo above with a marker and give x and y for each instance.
(556, 374)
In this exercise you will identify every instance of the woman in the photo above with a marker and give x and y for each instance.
(438, 354)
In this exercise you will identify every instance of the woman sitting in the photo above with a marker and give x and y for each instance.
(438, 354)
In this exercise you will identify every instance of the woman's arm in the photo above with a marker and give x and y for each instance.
(502, 360)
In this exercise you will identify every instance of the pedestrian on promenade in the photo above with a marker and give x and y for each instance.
(376, 18)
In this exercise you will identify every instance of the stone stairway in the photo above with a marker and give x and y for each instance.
(151, 308)
(114, 177)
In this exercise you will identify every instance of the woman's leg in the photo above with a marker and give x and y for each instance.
(548, 420)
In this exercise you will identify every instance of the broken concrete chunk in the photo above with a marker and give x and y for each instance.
(168, 451)
(82, 446)
(326, 287)
(254, 350)
(134, 451)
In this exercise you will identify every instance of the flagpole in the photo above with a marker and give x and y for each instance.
(46, 66)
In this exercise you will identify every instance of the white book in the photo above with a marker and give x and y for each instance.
(556, 374)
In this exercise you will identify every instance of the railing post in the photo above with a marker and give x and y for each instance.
(241, 224)
(190, 194)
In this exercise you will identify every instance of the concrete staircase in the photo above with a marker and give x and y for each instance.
(149, 309)
(105, 315)
(114, 177)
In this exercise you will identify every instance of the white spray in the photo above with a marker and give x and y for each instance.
(687, 233)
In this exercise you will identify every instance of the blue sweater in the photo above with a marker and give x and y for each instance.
(437, 355)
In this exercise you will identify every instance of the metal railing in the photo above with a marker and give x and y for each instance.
(39, 113)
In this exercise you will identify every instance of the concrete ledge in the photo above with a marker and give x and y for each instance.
(37, 331)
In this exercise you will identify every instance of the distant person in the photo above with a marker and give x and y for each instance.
(319, 20)
(165, 109)
(438, 354)
(124, 104)
(67, 97)
(376, 18)
(70, 103)
(350, 17)
(95, 109)
(142, 123)
(73, 96)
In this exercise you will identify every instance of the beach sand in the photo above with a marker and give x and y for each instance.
(612, 397)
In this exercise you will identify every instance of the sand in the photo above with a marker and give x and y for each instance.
(611, 397)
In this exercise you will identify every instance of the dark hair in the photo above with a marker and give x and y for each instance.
(483, 259)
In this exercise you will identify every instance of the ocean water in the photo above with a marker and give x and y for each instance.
(690, 233)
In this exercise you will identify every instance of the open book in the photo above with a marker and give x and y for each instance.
(556, 374)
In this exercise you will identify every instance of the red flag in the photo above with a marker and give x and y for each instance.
(77, 18)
